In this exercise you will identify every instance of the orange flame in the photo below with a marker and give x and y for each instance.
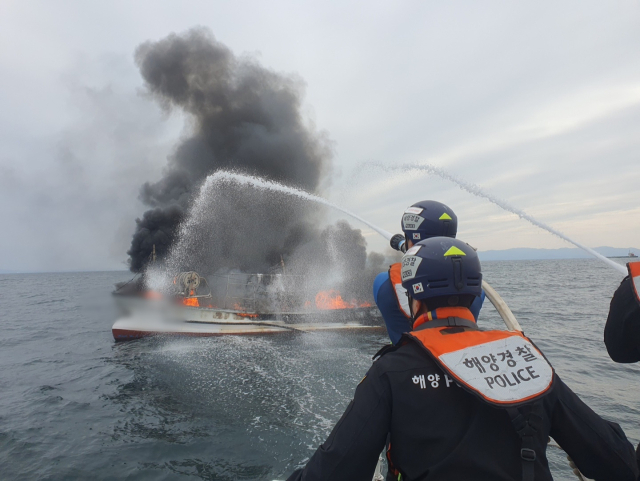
(332, 299)
(191, 301)
(238, 307)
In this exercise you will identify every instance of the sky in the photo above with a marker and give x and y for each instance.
(538, 103)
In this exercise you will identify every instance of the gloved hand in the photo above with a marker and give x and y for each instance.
(399, 243)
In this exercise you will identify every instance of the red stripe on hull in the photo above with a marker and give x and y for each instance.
(127, 335)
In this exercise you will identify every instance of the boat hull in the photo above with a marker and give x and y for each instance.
(205, 322)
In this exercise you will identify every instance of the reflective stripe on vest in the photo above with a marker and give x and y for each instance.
(395, 276)
(634, 273)
(503, 368)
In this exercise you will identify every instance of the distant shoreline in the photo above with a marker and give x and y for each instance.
(527, 253)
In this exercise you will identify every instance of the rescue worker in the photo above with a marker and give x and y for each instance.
(460, 403)
(622, 331)
(422, 220)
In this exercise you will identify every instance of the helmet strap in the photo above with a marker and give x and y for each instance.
(457, 273)
(414, 315)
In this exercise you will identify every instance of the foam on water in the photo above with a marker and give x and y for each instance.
(479, 192)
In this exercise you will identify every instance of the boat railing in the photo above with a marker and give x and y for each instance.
(247, 292)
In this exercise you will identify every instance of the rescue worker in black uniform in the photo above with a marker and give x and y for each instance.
(460, 403)
(622, 331)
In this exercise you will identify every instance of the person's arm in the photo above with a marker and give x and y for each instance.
(351, 451)
(395, 321)
(599, 448)
(622, 331)
(477, 305)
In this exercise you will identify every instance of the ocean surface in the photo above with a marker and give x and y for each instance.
(76, 405)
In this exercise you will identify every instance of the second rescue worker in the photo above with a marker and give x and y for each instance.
(461, 403)
(422, 220)
(622, 331)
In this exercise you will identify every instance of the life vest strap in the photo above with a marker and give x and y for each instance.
(527, 426)
(448, 322)
(395, 276)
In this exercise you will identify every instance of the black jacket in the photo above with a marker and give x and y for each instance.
(622, 331)
(441, 432)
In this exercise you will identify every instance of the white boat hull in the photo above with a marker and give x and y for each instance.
(171, 320)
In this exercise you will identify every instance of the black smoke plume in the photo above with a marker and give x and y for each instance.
(244, 117)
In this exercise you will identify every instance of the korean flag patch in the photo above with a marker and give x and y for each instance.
(416, 236)
(417, 288)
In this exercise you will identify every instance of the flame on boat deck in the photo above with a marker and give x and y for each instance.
(250, 297)
(324, 300)
(332, 299)
(191, 301)
(238, 307)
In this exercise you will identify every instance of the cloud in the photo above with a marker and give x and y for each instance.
(537, 103)
(68, 193)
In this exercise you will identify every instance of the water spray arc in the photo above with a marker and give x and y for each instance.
(479, 192)
(260, 183)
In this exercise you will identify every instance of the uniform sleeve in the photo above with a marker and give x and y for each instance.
(394, 319)
(477, 305)
(599, 448)
(351, 451)
(622, 331)
(378, 282)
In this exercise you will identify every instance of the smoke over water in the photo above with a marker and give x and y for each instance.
(246, 119)
(243, 117)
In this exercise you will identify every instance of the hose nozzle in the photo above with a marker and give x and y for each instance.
(399, 243)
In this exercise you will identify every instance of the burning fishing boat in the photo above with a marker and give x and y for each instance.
(237, 304)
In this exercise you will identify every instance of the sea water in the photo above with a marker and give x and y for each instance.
(76, 405)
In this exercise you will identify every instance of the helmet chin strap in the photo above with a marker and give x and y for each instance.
(413, 314)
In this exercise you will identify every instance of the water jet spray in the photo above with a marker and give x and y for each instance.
(260, 183)
(479, 192)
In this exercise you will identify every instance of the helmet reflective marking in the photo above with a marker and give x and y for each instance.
(413, 251)
(454, 251)
(445, 216)
(413, 210)
(410, 266)
(411, 221)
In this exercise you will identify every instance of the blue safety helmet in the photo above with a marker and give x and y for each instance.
(428, 218)
(439, 267)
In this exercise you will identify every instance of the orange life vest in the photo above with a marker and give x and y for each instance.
(503, 368)
(395, 276)
(634, 273)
